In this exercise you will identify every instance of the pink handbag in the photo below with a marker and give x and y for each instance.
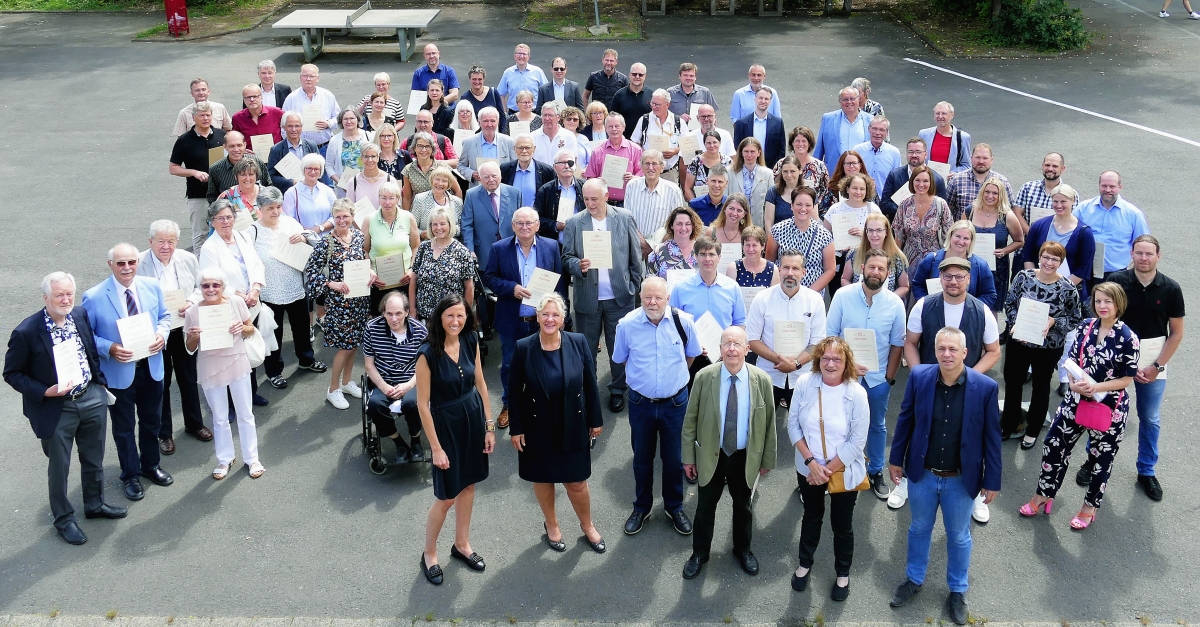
(1093, 414)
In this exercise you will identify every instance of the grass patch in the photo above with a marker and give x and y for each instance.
(958, 32)
(152, 31)
(78, 5)
(564, 18)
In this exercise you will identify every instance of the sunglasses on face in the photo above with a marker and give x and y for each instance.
(210, 286)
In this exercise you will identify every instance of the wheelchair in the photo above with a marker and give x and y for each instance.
(372, 442)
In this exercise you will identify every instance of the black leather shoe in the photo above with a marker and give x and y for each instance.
(416, 454)
(166, 446)
(133, 490)
(433, 574)
(691, 569)
(473, 561)
(72, 534)
(1084, 477)
(159, 477)
(616, 403)
(682, 523)
(635, 522)
(1151, 487)
(840, 593)
(904, 593)
(260, 401)
(956, 605)
(748, 562)
(107, 511)
(800, 584)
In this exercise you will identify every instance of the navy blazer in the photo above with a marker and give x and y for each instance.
(979, 450)
(29, 368)
(546, 204)
(542, 174)
(549, 428)
(502, 273)
(279, 151)
(776, 144)
(572, 95)
(898, 178)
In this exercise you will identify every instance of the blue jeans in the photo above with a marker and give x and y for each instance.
(924, 498)
(878, 398)
(1149, 402)
(651, 426)
(508, 346)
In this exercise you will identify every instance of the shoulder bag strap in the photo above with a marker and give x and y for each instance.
(821, 419)
(679, 329)
(958, 141)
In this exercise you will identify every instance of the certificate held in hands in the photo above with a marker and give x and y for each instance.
(541, 283)
(790, 337)
(1032, 317)
(357, 275)
(390, 269)
(614, 170)
(862, 343)
(985, 249)
(289, 167)
(597, 248)
(310, 114)
(137, 334)
(842, 223)
(66, 365)
(294, 255)
(214, 327)
(174, 301)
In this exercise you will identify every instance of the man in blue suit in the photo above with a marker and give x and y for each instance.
(764, 126)
(915, 152)
(950, 450)
(842, 130)
(487, 212)
(510, 268)
(136, 383)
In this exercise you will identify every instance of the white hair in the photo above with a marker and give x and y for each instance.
(267, 63)
(383, 76)
(951, 332)
(112, 251)
(313, 159)
(56, 277)
(167, 227)
(213, 273)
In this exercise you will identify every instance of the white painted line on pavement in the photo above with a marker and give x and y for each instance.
(1058, 104)
(1155, 17)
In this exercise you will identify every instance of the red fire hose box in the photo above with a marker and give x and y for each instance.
(177, 17)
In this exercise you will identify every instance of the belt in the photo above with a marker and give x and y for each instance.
(527, 318)
(665, 399)
(945, 473)
(77, 395)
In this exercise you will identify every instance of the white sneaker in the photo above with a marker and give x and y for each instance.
(982, 513)
(352, 389)
(1164, 14)
(1194, 16)
(899, 495)
(336, 399)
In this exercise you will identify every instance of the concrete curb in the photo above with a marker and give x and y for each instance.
(42, 620)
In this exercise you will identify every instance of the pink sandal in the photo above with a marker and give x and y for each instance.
(1029, 510)
(1081, 520)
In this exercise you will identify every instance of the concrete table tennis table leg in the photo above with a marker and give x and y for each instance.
(313, 40)
(408, 42)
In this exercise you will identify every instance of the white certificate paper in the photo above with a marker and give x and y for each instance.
(658, 142)
(694, 114)
(214, 327)
(729, 254)
(1098, 261)
(709, 334)
(689, 145)
(942, 169)
(613, 171)
(294, 255)
(175, 300)
(309, 115)
(842, 223)
(790, 337)
(675, 277)
(985, 248)
(1151, 348)
(597, 248)
(363, 209)
(460, 136)
(416, 99)
(901, 194)
(748, 294)
(357, 275)
(390, 269)
(541, 283)
(1037, 213)
(347, 177)
(66, 365)
(137, 334)
(862, 342)
(517, 128)
(261, 145)
(933, 286)
(566, 208)
(289, 167)
(1031, 321)
(700, 191)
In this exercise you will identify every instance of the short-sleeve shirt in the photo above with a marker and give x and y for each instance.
(395, 359)
(1152, 306)
(604, 87)
(191, 152)
(444, 73)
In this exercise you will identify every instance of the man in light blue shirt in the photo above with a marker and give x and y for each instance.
(879, 157)
(743, 99)
(1115, 222)
(657, 347)
(311, 95)
(709, 291)
(867, 305)
(520, 77)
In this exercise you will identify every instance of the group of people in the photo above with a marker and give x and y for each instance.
(729, 274)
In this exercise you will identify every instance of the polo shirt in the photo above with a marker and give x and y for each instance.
(681, 103)
(268, 124)
(704, 207)
(655, 357)
(515, 81)
(191, 152)
(632, 106)
(722, 299)
(1150, 307)
(444, 73)
(885, 315)
(395, 360)
(1116, 228)
(603, 87)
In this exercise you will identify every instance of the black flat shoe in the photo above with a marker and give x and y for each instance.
(433, 574)
(597, 546)
(260, 401)
(72, 534)
(956, 605)
(840, 593)
(158, 476)
(107, 511)
(559, 546)
(616, 403)
(800, 584)
(904, 593)
(473, 561)
(134, 490)
(747, 561)
(681, 523)
(1026, 444)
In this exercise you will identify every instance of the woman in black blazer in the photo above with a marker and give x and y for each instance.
(554, 415)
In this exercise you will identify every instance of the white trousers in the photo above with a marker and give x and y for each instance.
(218, 405)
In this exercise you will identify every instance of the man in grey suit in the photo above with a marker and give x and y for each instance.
(560, 88)
(604, 296)
(487, 144)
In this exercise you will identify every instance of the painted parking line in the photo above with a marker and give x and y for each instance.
(1058, 104)
(1155, 17)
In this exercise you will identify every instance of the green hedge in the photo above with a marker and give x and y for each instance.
(1042, 24)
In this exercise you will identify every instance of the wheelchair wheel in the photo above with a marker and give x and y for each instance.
(371, 444)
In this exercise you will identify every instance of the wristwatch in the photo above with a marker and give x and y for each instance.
(491, 425)
(1158, 367)
(809, 461)
(891, 381)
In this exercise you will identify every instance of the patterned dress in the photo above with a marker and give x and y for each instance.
(811, 242)
(345, 318)
(669, 256)
(1115, 357)
(918, 237)
(438, 276)
(745, 278)
(1001, 274)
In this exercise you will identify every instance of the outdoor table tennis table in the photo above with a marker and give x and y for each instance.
(313, 23)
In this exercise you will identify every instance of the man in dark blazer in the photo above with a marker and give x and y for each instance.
(510, 267)
(549, 195)
(559, 87)
(915, 155)
(266, 78)
(949, 448)
(518, 171)
(295, 144)
(67, 415)
(775, 144)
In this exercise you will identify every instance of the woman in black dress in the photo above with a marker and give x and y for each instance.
(554, 411)
(450, 393)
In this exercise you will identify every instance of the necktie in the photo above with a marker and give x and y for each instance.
(729, 434)
(495, 205)
(130, 304)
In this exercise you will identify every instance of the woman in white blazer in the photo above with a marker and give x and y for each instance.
(828, 423)
(752, 177)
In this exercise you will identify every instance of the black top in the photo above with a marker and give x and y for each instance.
(631, 106)
(604, 87)
(945, 432)
(1150, 306)
(442, 119)
(191, 152)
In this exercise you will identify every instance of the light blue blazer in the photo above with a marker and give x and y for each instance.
(105, 304)
(480, 228)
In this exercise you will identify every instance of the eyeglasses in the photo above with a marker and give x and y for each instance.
(252, 97)
(707, 117)
(523, 148)
(831, 360)
(125, 264)
(223, 219)
(570, 163)
(876, 231)
(1049, 259)
(525, 224)
(731, 345)
(637, 74)
(210, 286)
(559, 69)
(955, 278)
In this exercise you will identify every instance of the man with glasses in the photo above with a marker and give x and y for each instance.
(551, 196)
(526, 173)
(660, 122)
(951, 307)
(604, 83)
(743, 99)
(293, 143)
(508, 271)
(486, 145)
(879, 157)
(443, 147)
(311, 95)
(687, 94)
(522, 76)
(617, 145)
(221, 175)
(650, 198)
(551, 137)
(633, 100)
(842, 130)
(559, 90)
(255, 118)
(706, 115)
(432, 69)
(897, 180)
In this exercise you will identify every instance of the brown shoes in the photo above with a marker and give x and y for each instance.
(166, 446)
(502, 421)
(204, 434)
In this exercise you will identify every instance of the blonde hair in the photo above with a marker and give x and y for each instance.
(896, 257)
(443, 172)
(960, 226)
(849, 367)
(342, 204)
(1003, 204)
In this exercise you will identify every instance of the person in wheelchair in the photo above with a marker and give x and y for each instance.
(390, 352)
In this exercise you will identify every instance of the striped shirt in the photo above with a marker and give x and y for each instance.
(395, 360)
(1034, 195)
(650, 208)
(962, 187)
(391, 107)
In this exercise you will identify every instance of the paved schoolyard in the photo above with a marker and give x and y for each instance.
(84, 122)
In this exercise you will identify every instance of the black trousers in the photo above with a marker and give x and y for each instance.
(177, 362)
(136, 420)
(82, 424)
(698, 364)
(731, 471)
(297, 313)
(841, 521)
(1018, 358)
(378, 408)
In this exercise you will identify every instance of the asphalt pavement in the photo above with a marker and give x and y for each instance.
(85, 123)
